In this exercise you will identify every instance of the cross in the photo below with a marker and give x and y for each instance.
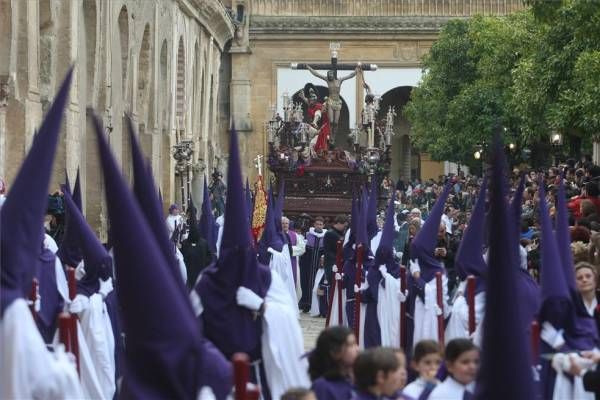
(258, 164)
(334, 66)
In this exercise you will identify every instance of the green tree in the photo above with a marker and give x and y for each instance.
(465, 91)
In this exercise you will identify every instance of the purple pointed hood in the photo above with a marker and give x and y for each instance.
(372, 227)
(362, 235)
(165, 353)
(385, 251)
(98, 263)
(423, 245)
(146, 195)
(563, 237)
(556, 301)
(469, 257)
(69, 250)
(23, 211)
(270, 237)
(505, 354)
(230, 327)
(209, 229)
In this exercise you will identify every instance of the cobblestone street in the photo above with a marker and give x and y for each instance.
(311, 327)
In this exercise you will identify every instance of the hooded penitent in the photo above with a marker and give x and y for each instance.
(372, 227)
(505, 371)
(469, 257)
(581, 332)
(230, 327)
(22, 214)
(69, 250)
(209, 229)
(166, 355)
(270, 237)
(146, 195)
(556, 301)
(423, 245)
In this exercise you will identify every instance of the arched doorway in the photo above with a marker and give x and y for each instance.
(341, 138)
(405, 159)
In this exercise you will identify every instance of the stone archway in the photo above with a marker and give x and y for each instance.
(405, 160)
(341, 139)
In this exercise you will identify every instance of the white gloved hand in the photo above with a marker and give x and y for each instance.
(561, 362)
(364, 285)
(37, 304)
(438, 310)
(383, 269)
(413, 266)
(79, 304)
(105, 287)
(356, 288)
(271, 250)
(338, 276)
(80, 271)
(247, 298)
(402, 295)
(551, 336)
(334, 268)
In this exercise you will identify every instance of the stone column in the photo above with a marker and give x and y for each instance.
(596, 152)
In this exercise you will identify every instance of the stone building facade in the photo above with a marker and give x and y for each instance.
(161, 61)
(394, 34)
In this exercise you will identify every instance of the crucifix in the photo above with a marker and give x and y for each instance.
(258, 164)
(334, 101)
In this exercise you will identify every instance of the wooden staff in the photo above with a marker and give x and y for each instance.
(73, 317)
(535, 342)
(471, 302)
(33, 297)
(403, 285)
(64, 328)
(440, 303)
(357, 280)
(334, 285)
(241, 374)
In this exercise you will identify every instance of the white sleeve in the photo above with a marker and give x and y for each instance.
(300, 247)
(24, 351)
(181, 264)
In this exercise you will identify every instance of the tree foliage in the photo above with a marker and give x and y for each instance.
(531, 72)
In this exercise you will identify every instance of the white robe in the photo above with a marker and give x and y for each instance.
(458, 324)
(181, 264)
(334, 318)
(564, 388)
(282, 341)
(98, 333)
(388, 311)
(28, 370)
(425, 317)
(450, 390)
(314, 303)
(282, 264)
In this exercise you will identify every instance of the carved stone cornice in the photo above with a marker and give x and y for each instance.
(343, 24)
(213, 16)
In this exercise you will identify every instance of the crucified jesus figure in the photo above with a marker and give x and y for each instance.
(334, 101)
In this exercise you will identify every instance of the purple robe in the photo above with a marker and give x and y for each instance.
(51, 300)
(338, 389)
(309, 264)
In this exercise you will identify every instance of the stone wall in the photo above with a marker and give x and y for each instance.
(158, 60)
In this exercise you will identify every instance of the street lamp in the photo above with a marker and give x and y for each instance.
(182, 153)
(556, 138)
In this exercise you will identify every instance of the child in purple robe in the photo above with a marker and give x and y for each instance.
(331, 362)
(378, 373)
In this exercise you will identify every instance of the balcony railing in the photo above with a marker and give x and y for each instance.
(388, 8)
